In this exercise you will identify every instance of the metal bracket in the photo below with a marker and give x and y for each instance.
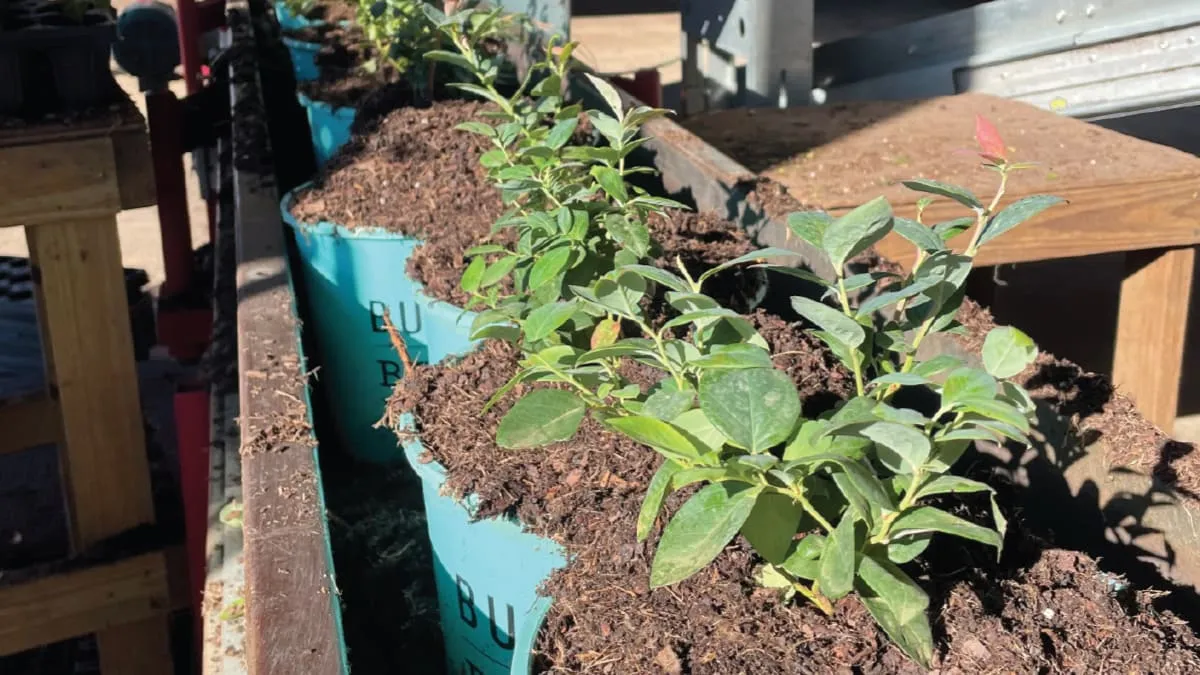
(755, 53)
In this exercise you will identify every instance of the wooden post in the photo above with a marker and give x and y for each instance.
(89, 353)
(1150, 330)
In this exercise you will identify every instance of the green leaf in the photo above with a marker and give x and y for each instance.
(899, 606)
(772, 525)
(909, 447)
(967, 383)
(861, 281)
(995, 409)
(797, 272)
(857, 231)
(542, 417)
(660, 435)
(753, 256)
(561, 132)
(611, 182)
(667, 404)
(959, 194)
(839, 560)
(929, 519)
(497, 271)
(546, 319)
(952, 228)
(655, 494)
(700, 531)
(937, 365)
(497, 332)
(804, 559)
(923, 237)
(1016, 213)
(699, 317)
(906, 549)
(484, 249)
(948, 484)
(478, 128)
(738, 355)
(865, 483)
(659, 276)
(902, 379)
(1007, 351)
(483, 93)
(631, 233)
(756, 408)
(493, 159)
(451, 58)
(878, 302)
(1018, 397)
(549, 266)
(700, 431)
(607, 92)
(810, 226)
(830, 320)
(473, 275)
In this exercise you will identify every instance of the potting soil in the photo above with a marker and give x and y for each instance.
(415, 175)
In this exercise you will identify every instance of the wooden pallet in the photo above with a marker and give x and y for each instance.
(65, 183)
(1126, 195)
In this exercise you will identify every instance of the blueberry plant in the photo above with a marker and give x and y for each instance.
(835, 505)
(573, 216)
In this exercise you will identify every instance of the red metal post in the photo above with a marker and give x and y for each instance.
(164, 117)
(645, 86)
(193, 433)
(189, 43)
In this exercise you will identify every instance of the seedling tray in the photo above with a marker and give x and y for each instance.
(53, 63)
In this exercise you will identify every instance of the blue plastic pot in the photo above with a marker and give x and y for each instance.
(289, 21)
(351, 276)
(304, 59)
(330, 126)
(522, 663)
(487, 572)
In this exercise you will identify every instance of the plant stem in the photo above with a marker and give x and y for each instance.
(798, 494)
(983, 216)
(855, 357)
(814, 596)
(905, 504)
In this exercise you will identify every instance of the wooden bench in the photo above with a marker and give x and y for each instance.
(1126, 195)
(65, 183)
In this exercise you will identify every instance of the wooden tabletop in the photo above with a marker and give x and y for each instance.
(121, 116)
(1126, 194)
(78, 166)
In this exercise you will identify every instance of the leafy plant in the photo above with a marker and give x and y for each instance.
(573, 216)
(399, 33)
(834, 505)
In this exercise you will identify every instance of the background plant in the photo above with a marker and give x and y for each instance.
(573, 215)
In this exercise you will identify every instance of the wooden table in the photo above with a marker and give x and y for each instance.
(1126, 195)
(64, 183)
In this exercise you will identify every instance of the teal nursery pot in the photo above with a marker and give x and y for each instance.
(288, 20)
(352, 276)
(487, 571)
(304, 58)
(522, 663)
(330, 126)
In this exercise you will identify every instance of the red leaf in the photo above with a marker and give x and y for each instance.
(988, 138)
